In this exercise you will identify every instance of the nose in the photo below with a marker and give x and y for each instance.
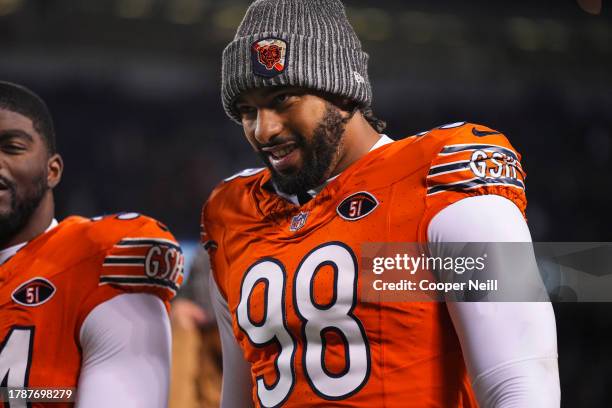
(269, 125)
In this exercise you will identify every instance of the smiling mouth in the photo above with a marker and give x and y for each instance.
(279, 151)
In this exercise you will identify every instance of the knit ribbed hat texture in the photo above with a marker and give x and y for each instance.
(303, 43)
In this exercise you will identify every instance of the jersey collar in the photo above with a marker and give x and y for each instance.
(7, 253)
(301, 199)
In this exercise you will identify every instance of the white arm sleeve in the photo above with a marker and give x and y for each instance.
(126, 345)
(237, 384)
(510, 348)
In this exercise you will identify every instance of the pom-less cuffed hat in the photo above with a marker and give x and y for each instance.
(303, 43)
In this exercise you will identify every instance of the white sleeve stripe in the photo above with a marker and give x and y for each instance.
(450, 149)
(144, 241)
(138, 281)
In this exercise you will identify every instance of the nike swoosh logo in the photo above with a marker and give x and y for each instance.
(481, 133)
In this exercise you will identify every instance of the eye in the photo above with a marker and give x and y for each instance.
(244, 109)
(12, 148)
(283, 100)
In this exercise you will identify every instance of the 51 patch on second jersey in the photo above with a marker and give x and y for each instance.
(146, 263)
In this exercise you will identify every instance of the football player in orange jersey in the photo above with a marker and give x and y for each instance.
(83, 302)
(285, 241)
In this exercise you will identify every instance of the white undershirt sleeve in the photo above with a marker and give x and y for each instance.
(510, 348)
(237, 384)
(126, 345)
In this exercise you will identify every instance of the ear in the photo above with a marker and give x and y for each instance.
(55, 168)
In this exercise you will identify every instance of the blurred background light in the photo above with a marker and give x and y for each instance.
(417, 27)
(133, 8)
(590, 6)
(228, 18)
(371, 24)
(453, 30)
(9, 6)
(556, 35)
(185, 11)
(599, 34)
(525, 33)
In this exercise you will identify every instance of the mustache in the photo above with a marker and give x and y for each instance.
(279, 140)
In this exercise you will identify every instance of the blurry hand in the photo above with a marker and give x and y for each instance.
(187, 315)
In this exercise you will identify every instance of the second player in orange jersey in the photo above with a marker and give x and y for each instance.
(83, 302)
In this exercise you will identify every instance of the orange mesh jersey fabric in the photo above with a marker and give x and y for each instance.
(48, 288)
(290, 274)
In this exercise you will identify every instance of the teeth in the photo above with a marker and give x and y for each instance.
(279, 154)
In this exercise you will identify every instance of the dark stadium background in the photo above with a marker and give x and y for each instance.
(134, 89)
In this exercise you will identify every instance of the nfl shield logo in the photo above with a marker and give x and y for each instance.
(269, 57)
(298, 221)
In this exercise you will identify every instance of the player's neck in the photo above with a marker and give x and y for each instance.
(359, 137)
(36, 225)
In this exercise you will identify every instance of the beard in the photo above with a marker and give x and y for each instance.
(319, 156)
(22, 208)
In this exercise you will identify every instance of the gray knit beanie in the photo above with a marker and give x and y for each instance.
(304, 43)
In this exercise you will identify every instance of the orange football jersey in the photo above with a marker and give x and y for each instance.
(290, 274)
(49, 286)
